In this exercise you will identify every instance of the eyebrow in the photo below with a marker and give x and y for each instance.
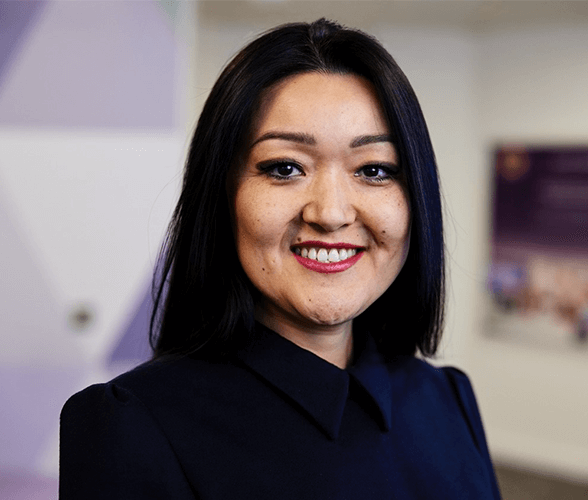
(309, 140)
(370, 139)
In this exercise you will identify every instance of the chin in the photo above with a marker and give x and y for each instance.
(329, 317)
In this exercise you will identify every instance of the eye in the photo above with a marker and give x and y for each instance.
(282, 170)
(378, 172)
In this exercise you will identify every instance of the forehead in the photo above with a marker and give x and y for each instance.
(314, 102)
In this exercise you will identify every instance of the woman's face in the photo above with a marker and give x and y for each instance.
(322, 221)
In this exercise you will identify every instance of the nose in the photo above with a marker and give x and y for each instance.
(329, 204)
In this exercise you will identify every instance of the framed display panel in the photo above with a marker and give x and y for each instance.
(538, 273)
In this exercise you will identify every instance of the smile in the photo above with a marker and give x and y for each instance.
(327, 258)
(325, 255)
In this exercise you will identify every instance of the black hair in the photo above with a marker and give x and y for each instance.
(203, 301)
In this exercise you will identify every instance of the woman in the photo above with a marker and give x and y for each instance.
(303, 271)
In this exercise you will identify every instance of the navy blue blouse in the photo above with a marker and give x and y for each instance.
(277, 422)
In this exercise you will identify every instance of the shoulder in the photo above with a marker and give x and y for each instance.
(419, 371)
(145, 422)
(454, 381)
(111, 427)
(452, 390)
(155, 384)
(174, 396)
(120, 404)
(444, 388)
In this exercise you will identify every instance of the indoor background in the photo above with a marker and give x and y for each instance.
(97, 102)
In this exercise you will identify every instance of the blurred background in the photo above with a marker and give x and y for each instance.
(97, 102)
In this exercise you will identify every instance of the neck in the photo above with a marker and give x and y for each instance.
(333, 343)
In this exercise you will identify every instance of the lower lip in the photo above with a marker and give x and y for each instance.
(328, 267)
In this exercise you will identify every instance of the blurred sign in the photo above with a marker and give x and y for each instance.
(538, 275)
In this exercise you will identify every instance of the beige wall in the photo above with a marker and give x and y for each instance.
(532, 84)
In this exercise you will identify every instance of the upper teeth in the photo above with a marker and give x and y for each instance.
(326, 255)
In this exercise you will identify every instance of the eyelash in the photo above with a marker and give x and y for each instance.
(390, 172)
(269, 168)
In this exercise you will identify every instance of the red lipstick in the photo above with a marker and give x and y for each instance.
(322, 244)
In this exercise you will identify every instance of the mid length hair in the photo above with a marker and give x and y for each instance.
(203, 300)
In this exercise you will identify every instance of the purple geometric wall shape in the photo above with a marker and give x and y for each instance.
(16, 20)
(94, 65)
(26, 485)
(133, 346)
(32, 397)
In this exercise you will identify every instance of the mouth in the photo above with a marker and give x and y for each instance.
(327, 257)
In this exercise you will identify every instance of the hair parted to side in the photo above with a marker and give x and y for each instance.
(203, 301)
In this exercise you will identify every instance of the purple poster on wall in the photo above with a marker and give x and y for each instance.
(538, 276)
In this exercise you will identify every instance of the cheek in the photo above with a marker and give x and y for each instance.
(250, 239)
(406, 248)
(248, 226)
(404, 222)
(393, 234)
(259, 222)
(394, 224)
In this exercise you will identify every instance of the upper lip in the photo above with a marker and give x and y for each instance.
(322, 244)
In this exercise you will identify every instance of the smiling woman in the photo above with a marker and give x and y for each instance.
(302, 273)
(320, 161)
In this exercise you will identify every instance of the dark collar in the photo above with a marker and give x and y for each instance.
(319, 387)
